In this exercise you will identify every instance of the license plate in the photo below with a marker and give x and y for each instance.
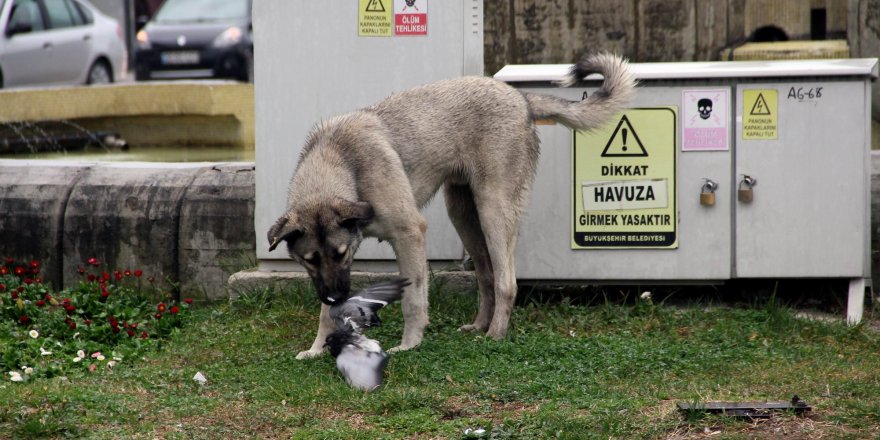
(180, 57)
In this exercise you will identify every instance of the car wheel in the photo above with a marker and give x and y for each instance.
(99, 73)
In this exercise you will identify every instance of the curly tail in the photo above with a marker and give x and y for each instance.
(613, 96)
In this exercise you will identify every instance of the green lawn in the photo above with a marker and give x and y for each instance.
(601, 369)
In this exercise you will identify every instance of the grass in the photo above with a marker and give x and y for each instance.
(571, 368)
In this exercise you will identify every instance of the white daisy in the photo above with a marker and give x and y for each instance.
(44, 352)
(34, 334)
(15, 376)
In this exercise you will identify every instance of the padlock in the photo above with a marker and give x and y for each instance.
(745, 194)
(707, 199)
(707, 193)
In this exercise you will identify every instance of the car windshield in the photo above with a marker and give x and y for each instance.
(182, 11)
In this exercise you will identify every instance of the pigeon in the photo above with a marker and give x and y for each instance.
(360, 359)
(359, 311)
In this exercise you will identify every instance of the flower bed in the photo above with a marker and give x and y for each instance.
(106, 319)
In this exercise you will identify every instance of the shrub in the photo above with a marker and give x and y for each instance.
(106, 319)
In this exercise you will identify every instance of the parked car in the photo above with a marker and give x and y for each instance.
(59, 42)
(197, 39)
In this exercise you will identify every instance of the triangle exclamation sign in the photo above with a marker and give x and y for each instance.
(624, 142)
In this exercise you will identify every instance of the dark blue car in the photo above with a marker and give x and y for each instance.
(197, 39)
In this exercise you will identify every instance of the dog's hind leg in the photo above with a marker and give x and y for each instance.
(499, 212)
(463, 213)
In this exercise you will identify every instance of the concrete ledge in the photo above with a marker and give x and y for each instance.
(154, 113)
(189, 223)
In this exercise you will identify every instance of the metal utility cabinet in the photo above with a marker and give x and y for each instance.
(720, 170)
(319, 59)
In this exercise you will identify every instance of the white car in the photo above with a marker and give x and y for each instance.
(59, 42)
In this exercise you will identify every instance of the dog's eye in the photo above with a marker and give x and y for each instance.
(313, 259)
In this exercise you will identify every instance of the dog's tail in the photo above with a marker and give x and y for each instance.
(615, 93)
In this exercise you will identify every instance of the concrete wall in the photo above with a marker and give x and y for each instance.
(189, 223)
(557, 31)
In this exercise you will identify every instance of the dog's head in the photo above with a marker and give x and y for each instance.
(323, 238)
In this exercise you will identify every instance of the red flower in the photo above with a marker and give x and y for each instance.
(131, 333)
(35, 264)
(19, 270)
(144, 335)
(70, 308)
(105, 276)
(35, 271)
(115, 329)
(157, 316)
(20, 289)
(105, 293)
(72, 325)
(2, 287)
(48, 297)
(29, 281)
(133, 325)
(188, 300)
(91, 278)
(117, 275)
(87, 321)
(41, 303)
(82, 270)
(161, 307)
(4, 270)
(174, 310)
(138, 273)
(127, 272)
(14, 294)
(24, 319)
(94, 261)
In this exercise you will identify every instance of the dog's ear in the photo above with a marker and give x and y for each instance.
(285, 229)
(351, 214)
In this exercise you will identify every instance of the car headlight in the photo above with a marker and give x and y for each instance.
(228, 37)
(143, 39)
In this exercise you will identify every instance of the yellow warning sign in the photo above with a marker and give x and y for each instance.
(760, 117)
(623, 189)
(376, 18)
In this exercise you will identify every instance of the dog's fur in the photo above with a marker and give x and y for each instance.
(370, 171)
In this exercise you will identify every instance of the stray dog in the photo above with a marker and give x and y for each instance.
(359, 358)
(368, 172)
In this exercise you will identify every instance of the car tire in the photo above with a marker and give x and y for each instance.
(99, 73)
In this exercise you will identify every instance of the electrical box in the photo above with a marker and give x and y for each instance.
(719, 170)
(315, 60)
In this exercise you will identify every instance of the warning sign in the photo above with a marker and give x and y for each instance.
(760, 117)
(705, 120)
(410, 17)
(623, 191)
(375, 18)
(624, 141)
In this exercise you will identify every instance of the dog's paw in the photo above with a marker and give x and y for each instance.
(471, 328)
(401, 347)
(308, 354)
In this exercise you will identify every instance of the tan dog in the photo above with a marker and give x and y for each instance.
(369, 172)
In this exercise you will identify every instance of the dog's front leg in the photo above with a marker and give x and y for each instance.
(325, 327)
(409, 247)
